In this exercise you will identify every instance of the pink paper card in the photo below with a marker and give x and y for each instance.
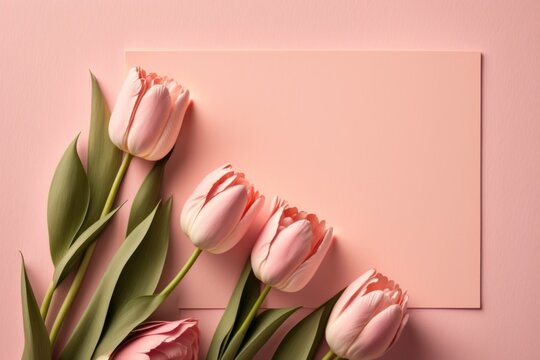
(383, 145)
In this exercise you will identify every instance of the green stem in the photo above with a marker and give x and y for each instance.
(233, 347)
(183, 271)
(47, 301)
(253, 312)
(329, 355)
(83, 267)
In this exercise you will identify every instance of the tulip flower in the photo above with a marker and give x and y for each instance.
(148, 114)
(288, 252)
(367, 319)
(220, 210)
(145, 122)
(290, 248)
(163, 340)
(216, 216)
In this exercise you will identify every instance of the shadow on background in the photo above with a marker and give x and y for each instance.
(412, 345)
(184, 144)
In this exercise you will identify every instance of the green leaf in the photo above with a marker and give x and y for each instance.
(242, 299)
(131, 315)
(104, 157)
(304, 338)
(151, 254)
(148, 195)
(86, 335)
(262, 328)
(69, 196)
(135, 311)
(77, 249)
(36, 338)
(142, 272)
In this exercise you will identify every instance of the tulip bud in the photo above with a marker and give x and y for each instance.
(148, 114)
(163, 340)
(368, 318)
(220, 211)
(290, 248)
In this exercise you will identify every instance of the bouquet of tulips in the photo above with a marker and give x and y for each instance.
(360, 322)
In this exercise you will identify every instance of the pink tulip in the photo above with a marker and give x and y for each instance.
(161, 340)
(220, 211)
(290, 248)
(368, 318)
(148, 114)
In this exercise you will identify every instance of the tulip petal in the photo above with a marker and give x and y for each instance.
(240, 230)
(343, 331)
(197, 199)
(159, 328)
(309, 267)
(288, 250)
(140, 345)
(149, 120)
(168, 351)
(377, 335)
(381, 283)
(218, 217)
(156, 355)
(147, 326)
(223, 183)
(404, 322)
(161, 340)
(175, 89)
(350, 294)
(126, 102)
(277, 202)
(261, 247)
(170, 133)
(404, 303)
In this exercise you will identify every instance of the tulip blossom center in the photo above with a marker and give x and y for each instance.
(292, 215)
(232, 179)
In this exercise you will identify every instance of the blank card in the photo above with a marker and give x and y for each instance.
(383, 145)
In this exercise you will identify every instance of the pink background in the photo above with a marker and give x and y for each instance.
(46, 50)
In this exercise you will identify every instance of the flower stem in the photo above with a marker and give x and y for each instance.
(233, 347)
(329, 355)
(47, 301)
(253, 312)
(83, 267)
(183, 271)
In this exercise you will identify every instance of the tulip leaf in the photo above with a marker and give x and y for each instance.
(68, 200)
(262, 328)
(79, 246)
(131, 315)
(104, 158)
(86, 335)
(148, 195)
(36, 339)
(242, 299)
(304, 338)
(143, 270)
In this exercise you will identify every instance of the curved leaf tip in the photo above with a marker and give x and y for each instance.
(36, 338)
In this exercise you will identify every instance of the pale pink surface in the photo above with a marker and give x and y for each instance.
(42, 41)
(385, 146)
